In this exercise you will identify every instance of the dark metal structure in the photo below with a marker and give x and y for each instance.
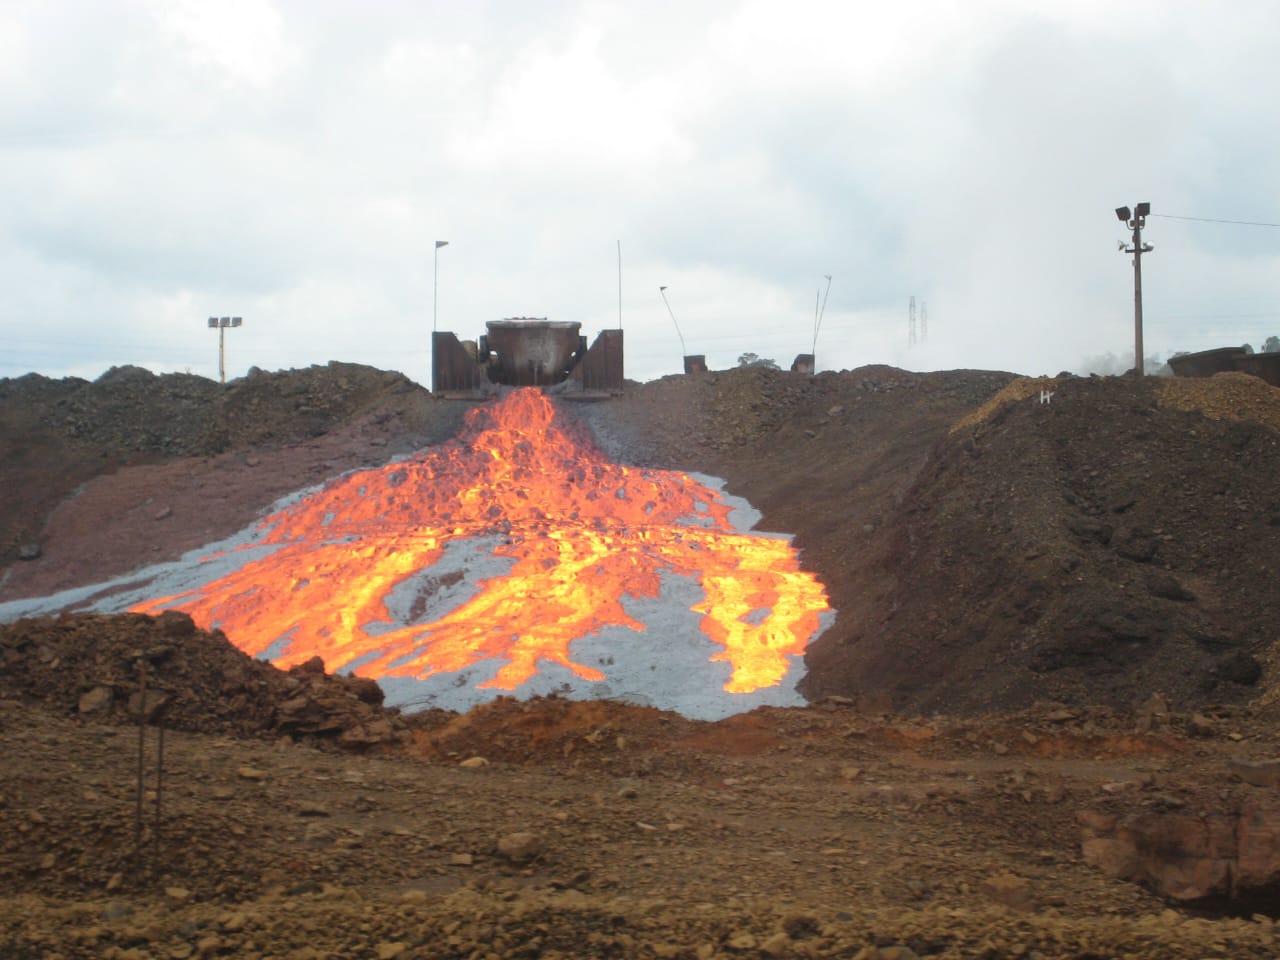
(528, 352)
(1264, 365)
(803, 363)
(1206, 363)
(600, 369)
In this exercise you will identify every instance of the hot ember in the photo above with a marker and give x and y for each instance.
(581, 535)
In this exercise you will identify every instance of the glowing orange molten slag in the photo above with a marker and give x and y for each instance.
(583, 534)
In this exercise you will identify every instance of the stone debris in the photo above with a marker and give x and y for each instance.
(1260, 773)
(1188, 856)
(89, 664)
(520, 847)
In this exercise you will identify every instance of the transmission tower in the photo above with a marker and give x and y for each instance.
(911, 322)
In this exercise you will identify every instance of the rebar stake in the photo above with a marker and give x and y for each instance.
(142, 743)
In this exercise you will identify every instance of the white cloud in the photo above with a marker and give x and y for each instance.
(243, 40)
(292, 163)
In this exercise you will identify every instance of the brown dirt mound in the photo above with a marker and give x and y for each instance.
(1098, 548)
(1225, 396)
(56, 435)
(92, 666)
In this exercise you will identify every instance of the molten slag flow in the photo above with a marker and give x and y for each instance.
(583, 533)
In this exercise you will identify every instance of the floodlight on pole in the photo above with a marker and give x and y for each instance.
(221, 324)
(435, 281)
(683, 351)
(1136, 221)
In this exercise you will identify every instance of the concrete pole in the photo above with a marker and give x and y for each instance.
(1137, 296)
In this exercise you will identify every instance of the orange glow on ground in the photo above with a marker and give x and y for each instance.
(583, 533)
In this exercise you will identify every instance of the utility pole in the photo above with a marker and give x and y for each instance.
(220, 324)
(1136, 221)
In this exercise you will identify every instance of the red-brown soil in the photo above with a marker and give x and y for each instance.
(988, 555)
(560, 829)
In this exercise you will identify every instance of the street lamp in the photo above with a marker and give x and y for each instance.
(220, 324)
(818, 313)
(696, 364)
(663, 291)
(435, 280)
(1136, 219)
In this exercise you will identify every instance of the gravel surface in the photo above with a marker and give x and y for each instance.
(553, 828)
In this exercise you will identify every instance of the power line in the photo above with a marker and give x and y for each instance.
(1220, 316)
(1242, 223)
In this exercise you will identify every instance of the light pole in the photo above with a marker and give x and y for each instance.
(817, 321)
(683, 351)
(435, 281)
(1136, 221)
(220, 324)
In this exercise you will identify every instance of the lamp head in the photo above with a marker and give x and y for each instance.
(1122, 213)
(1142, 209)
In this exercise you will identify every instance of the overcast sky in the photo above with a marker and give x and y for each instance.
(293, 161)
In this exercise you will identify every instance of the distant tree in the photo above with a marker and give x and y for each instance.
(1272, 345)
(1247, 348)
(751, 360)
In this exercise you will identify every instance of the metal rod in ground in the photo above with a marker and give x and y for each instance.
(142, 743)
(155, 839)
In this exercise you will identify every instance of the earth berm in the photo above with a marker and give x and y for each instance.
(1042, 723)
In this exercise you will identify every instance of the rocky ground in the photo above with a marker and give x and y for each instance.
(550, 828)
(1042, 722)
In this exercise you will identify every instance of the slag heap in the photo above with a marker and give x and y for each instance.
(579, 534)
